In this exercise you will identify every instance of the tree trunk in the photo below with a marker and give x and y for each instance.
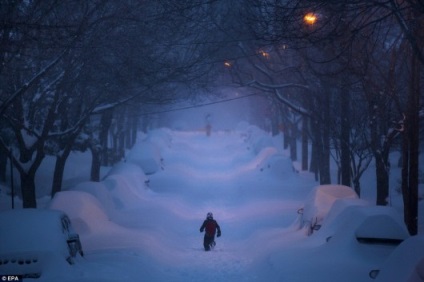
(275, 130)
(324, 165)
(28, 190)
(59, 169)
(120, 154)
(305, 151)
(27, 177)
(345, 138)
(410, 154)
(105, 123)
(128, 135)
(134, 130)
(315, 160)
(286, 135)
(293, 142)
(325, 177)
(95, 164)
(3, 165)
(357, 185)
(382, 172)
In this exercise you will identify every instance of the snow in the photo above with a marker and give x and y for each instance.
(320, 200)
(40, 248)
(86, 213)
(404, 262)
(138, 225)
(147, 155)
(36, 223)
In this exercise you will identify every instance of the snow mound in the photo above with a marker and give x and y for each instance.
(269, 159)
(260, 161)
(84, 210)
(124, 192)
(160, 137)
(117, 191)
(146, 155)
(262, 142)
(320, 200)
(99, 191)
(134, 175)
(257, 139)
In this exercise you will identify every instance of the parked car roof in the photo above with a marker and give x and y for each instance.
(406, 263)
(27, 230)
(320, 200)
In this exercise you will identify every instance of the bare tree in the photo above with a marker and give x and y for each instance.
(366, 25)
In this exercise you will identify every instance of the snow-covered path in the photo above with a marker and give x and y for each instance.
(219, 174)
(159, 240)
(139, 234)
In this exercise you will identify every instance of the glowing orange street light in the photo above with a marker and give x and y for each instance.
(310, 18)
(265, 54)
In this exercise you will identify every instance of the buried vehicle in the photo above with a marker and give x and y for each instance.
(319, 202)
(31, 239)
(406, 263)
(369, 233)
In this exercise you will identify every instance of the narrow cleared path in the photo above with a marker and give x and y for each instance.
(221, 174)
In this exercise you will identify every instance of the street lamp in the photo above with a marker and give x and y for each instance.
(264, 54)
(310, 18)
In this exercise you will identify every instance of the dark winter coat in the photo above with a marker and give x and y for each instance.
(211, 227)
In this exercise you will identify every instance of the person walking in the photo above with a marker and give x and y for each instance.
(211, 227)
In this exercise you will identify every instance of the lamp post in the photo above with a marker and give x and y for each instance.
(310, 18)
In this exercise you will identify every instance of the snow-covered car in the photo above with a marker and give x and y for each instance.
(31, 239)
(370, 233)
(319, 202)
(406, 263)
